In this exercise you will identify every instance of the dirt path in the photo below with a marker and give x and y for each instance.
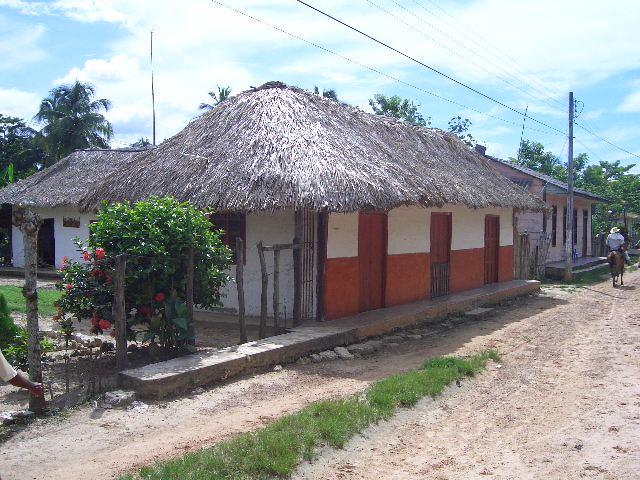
(570, 373)
(564, 404)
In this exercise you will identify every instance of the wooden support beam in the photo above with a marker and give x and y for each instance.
(262, 332)
(240, 286)
(276, 290)
(118, 311)
(297, 269)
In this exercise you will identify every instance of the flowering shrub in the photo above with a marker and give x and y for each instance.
(155, 235)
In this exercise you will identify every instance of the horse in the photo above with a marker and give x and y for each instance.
(616, 266)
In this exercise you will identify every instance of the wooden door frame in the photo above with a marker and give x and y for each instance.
(385, 246)
(497, 259)
(449, 215)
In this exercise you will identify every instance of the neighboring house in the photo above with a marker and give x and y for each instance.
(552, 220)
(388, 213)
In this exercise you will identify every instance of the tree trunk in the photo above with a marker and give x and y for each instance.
(29, 224)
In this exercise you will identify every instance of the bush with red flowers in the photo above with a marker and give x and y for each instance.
(155, 236)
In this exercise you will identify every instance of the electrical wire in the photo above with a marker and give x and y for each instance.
(607, 141)
(429, 67)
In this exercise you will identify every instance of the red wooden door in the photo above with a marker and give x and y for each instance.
(491, 248)
(440, 240)
(372, 253)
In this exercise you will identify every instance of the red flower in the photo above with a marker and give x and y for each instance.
(104, 324)
(159, 297)
(65, 260)
(86, 256)
(69, 287)
(100, 253)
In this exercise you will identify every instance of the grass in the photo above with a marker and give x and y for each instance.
(591, 277)
(276, 449)
(16, 302)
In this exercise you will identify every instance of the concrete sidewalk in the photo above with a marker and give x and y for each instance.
(188, 372)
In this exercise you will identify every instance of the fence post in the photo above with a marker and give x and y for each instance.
(118, 312)
(262, 333)
(297, 268)
(189, 293)
(276, 290)
(240, 286)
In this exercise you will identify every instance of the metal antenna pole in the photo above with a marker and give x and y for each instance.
(153, 96)
(568, 273)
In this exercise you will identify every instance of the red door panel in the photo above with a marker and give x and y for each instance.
(440, 240)
(372, 252)
(491, 248)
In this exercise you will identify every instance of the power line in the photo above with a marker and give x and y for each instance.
(607, 141)
(435, 70)
(360, 64)
(454, 40)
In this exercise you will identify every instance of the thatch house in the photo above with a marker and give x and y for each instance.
(55, 192)
(553, 220)
(388, 213)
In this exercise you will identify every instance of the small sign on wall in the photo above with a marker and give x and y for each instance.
(72, 222)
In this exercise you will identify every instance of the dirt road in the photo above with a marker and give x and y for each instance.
(564, 404)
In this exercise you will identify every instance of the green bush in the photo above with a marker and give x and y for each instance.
(156, 235)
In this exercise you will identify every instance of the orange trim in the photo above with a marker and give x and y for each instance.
(341, 292)
(505, 264)
(466, 269)
(407, 278)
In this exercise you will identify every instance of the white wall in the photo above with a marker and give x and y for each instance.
(342, 235)
(408, 230)
(64, 236)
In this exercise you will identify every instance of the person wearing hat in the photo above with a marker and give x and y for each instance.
(615, 242)
(9, 375)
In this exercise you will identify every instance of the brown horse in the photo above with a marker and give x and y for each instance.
(616, 266)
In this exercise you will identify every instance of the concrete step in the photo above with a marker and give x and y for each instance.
(555, 270)
(185, 373)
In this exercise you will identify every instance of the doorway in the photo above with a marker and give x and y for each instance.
(440, 237)
(585, 232)
(372, 254)
(491, 248)
(46, 244)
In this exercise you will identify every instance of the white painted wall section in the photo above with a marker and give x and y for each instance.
(342, 235)
(408, 229)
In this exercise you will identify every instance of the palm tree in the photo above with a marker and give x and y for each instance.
(73, 120)
(221, 96)
(331, 93)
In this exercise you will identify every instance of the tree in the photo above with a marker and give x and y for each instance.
(460, 127)
(19, 148)
(532, 155)
(216, 98)
(142, 142)
(403, 109)
(331, 93)
(73, 120)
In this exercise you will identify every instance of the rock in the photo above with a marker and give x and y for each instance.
(393, 339)
(457, 320)
(392, 345)
(365, 348)
(139, 407)
(328, 355)
(413, 336)
(343, 353)
(197, 391)
(303, 361)
(7, 418)
(50, 334)
(82, 339)
(107, 347)
(96, 342)
(277, 368)
(80, 352)
(315, 358)
(132, 348)
(478, 312)
(118, 398)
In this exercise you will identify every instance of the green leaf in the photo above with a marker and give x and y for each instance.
(181, 322)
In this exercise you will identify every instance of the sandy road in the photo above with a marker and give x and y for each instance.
(565, 404)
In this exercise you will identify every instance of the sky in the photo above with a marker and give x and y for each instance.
(525, 54)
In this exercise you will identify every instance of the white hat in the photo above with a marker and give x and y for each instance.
(615, 230)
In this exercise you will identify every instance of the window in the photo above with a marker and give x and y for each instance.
(564, 226)
(554, 225)
(233, 225)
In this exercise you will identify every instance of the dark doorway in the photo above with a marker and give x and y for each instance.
(491, 248)
(585, 232)
(440, 236)
(46, 244)
(372, 253)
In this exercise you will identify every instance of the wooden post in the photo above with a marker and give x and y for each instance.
(263, 296)
(189, 293)
(29, 223)
(297, 269)
(118, 313)
(276, 290)
(240, 286)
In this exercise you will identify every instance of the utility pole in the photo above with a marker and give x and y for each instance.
(568, 273)
(153, 96)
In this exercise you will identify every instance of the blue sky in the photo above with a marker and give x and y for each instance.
(524, 53)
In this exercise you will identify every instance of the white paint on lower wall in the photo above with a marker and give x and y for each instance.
(64, 246)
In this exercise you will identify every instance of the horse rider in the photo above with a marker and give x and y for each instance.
(616, 241)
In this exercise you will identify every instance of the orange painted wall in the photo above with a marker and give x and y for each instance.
(505, 264)
(342, 291)
(407, 278)
(466, 269)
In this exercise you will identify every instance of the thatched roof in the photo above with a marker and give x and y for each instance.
(276, 147)
(67, 181)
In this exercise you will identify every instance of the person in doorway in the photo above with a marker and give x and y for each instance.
(616, 243)
(9, 375)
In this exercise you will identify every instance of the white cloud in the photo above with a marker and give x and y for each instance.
(631, 103)
(18, 103)
(82, 10)
(19, 44)
(118, 67)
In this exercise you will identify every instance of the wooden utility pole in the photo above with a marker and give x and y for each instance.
(153, 95)
(118, 311)
(262, 330)
(29, 224)
(240, 285)
(568, 273)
